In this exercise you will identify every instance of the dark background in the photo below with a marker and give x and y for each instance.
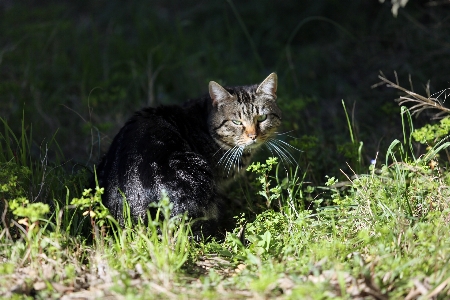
(80, 68)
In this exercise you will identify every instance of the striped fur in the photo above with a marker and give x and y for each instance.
(190, 152)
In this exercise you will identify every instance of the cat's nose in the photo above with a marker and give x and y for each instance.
(252, 136)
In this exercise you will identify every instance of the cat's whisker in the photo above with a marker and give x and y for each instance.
(232, 159)
(282, 152)
(238, 158)
(269, 146)
(280, 156)
(272, 150)
(287, 152)
(225, 156)
(283, 133)
(231, 163)
(292, 160)
(292, 137)
(225, 160)
(227, 165)
(287, 134)
(283, 160)
(221, 148)
(220, 161)
(284, 145)
(287, 144)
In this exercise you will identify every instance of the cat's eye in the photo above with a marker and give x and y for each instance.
(236, 122)
(261, 118)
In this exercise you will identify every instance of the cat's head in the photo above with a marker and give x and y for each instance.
(244, 116)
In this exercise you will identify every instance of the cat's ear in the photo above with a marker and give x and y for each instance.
(269, 85)
(217, 93)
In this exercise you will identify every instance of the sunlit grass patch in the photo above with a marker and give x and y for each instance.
(382, 233)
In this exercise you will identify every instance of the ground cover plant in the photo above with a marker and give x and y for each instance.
(375, 227)
(381, 234)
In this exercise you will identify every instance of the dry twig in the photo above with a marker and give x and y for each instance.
(419, 102)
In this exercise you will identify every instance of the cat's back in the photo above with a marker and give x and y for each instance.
(164, 127)
(157, 149)
(149, 136)
(154, 120)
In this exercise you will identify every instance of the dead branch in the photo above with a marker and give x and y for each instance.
(419, 102)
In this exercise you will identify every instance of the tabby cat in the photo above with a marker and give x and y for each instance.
(191, 152)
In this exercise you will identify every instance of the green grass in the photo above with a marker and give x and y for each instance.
(71, 73)
(383, 233)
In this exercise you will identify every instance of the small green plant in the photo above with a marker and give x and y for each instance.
(13, 182)
(263, 170)
(31, 213)
(431, 134)
(335, 194)
(92, 206)
(13, 179)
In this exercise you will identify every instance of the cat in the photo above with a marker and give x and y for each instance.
(192, 152)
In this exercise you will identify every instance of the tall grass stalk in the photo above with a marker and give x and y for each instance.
(354, 140)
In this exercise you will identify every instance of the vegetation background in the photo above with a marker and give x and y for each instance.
(72, 72)
(83, 67)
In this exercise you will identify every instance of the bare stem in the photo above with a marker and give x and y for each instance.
(420, 102)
